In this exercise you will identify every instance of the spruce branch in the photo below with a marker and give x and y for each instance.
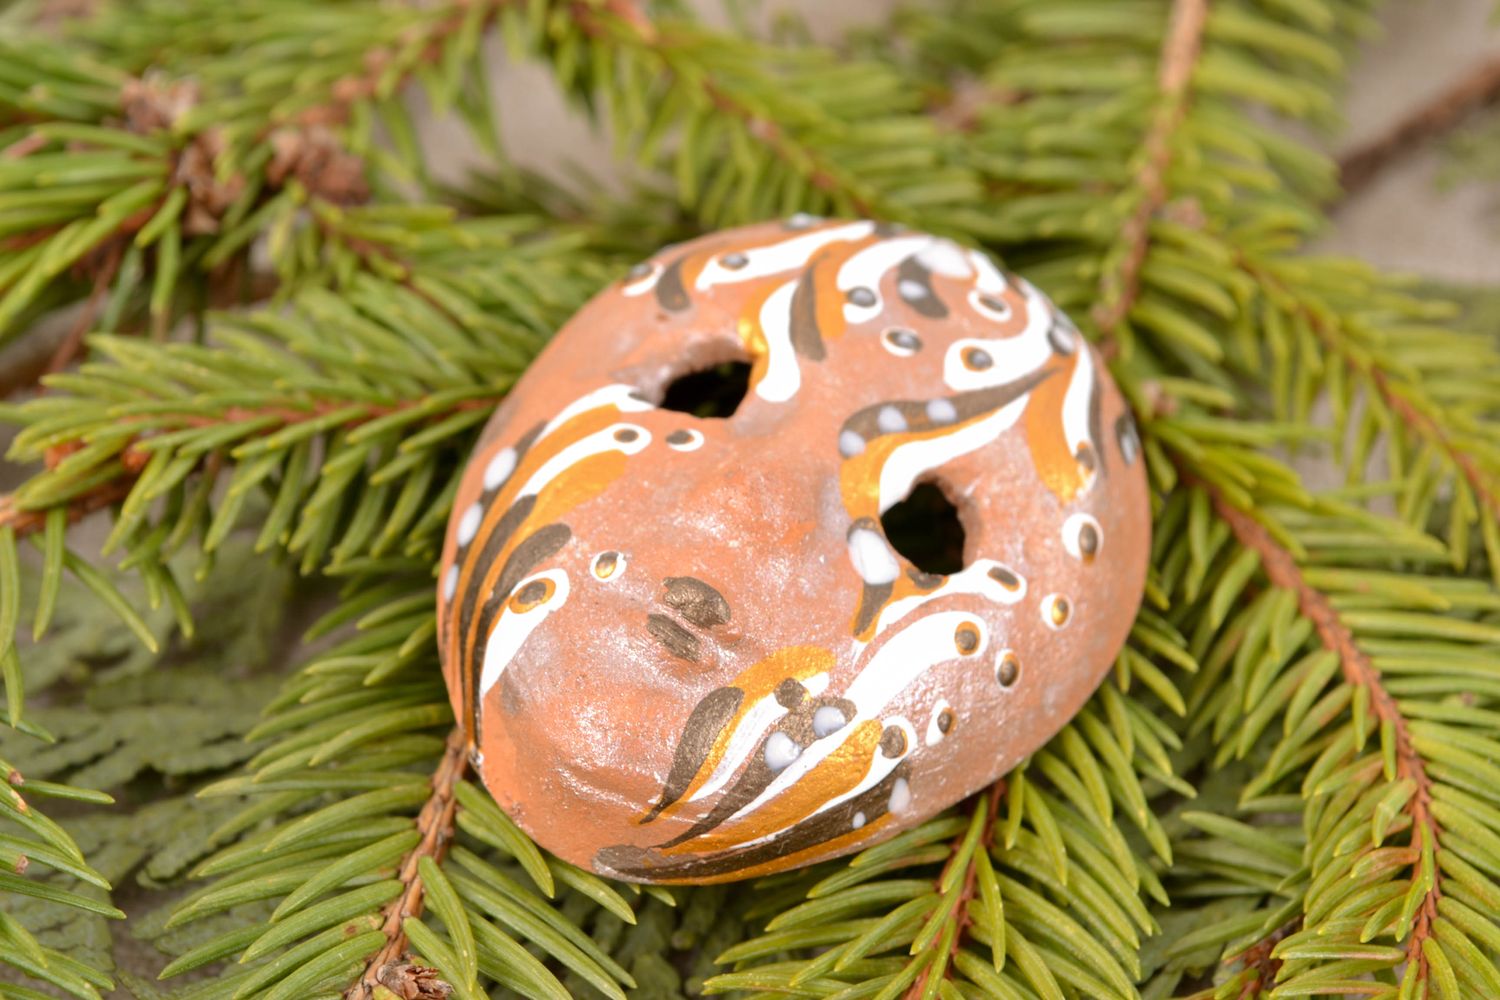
(1418, 412)
(389, 68)
(746, 130)
(824, 175)
(100, 497)
(168, 200)
(1119, 284)
(135, 450)
(1359, 672)
(435, 825)
(333, 386)
(959, 879)
(1486, 486)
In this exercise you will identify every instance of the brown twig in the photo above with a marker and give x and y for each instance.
(1119, 288)
(348, 91)
(1260, 962)
(435, 823)
(72, 346)
(100, 497)
(1359, 671)
(961, 104)
(989, 801)
(1477, 88)
(24, 146)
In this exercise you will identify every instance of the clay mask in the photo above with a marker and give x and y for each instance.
(683, 647)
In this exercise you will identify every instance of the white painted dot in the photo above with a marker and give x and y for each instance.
(941, 411)
(1130, 443)
(781, 750)
(850, 443)
(500, 468)
(900, 796)
(827, 721)
(946, 258)
(872, 557)
(890, 420)
(450, 583)
(859, 820)
(468, 526)
(910, 289)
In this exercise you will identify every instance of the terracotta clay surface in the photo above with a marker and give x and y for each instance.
(683, 648)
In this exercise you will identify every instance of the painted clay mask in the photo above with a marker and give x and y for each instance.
(684, 649)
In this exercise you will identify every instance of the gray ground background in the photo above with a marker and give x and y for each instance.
(1403, 220)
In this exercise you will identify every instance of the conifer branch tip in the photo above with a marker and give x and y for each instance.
(1119, 287)
(1360, 672)
(435, 823)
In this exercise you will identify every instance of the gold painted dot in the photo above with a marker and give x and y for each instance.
(532, 594)
(606, 564)
(1004, 577)
(1088, 542)
(945, 721)
(966, 638)
(1008, 669)
(1059, 611)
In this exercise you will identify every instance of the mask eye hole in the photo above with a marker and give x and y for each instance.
(926, 529)
(714, 392)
